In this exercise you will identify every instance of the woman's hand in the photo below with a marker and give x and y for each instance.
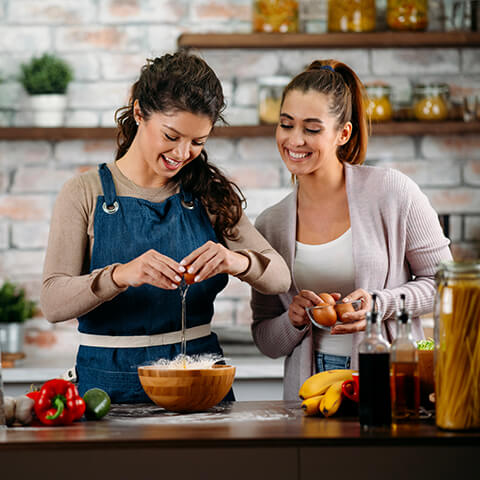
(296, 311)
(213, 258)
(354, 321)
(151, 267)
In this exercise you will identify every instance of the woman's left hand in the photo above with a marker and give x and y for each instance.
(354, 321)
(213, 258)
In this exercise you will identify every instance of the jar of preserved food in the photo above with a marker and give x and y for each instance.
(378, 105)
(351, 15)
(457, 345)
(275, 16)
(270, 90)
(431, 102)
(407, 14)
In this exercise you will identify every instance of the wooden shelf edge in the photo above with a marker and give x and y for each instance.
(330, 40)
(57, 133)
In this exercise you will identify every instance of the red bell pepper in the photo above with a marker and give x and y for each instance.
(59, 403)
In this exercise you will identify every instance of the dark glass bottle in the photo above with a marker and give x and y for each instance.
(374, 371)
(405, 380)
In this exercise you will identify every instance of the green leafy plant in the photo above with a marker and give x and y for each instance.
(427, 344)
(14, 306)
(46, 75)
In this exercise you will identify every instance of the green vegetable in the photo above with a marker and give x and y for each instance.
(97, 403)
(427, 344)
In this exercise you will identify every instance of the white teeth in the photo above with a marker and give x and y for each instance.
(171, 162)
(297, 155)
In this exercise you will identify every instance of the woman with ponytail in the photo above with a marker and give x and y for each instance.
(122, 236)
(347, 229)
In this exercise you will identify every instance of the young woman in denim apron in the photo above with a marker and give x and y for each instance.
(140, 249)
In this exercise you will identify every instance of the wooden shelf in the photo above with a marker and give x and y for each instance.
(330, 40)
(105, 133)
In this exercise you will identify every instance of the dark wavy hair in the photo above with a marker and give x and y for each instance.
(346, 95)
(183, 82)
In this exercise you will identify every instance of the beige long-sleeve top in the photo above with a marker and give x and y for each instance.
(69, 290)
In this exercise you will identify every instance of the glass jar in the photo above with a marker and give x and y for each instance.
(378, 104)
(275, 16)
(431, 102)
(457, 345)
(351, 15)
(407, 14)
(270, 90)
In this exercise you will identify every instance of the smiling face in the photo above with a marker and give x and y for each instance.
(307, 134)
(169, 141)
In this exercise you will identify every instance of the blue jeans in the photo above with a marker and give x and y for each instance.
(324, 362)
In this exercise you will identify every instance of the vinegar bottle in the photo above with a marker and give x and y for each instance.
(374, 374)
(404, 379)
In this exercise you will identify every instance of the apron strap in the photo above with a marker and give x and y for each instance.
(187, 200)
(108, 185)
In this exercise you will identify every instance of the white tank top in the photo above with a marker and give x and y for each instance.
(327, 267)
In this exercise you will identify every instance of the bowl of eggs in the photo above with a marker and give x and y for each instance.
(186, 389)
(330, 312)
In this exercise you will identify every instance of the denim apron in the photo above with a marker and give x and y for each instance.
(124, 228)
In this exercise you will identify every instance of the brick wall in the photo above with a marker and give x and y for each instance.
(107, 41)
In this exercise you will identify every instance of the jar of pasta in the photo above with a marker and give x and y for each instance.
(407, 14)
(457, 345)
(378, 104)
(351, 15)
(431, 102)
(270, 90)
(275, 16)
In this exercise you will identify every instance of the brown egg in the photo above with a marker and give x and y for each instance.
(325, 316)
(342, 308)
(189, 277)
(327, 298)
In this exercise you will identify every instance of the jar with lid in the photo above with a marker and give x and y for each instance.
(270, 90)
(378, 104)
(275, 16)
(431, 102)
(457, 345)
(351, 15)
(407, 14)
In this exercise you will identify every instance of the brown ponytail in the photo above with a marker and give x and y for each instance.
(183, 82)
(346, 93)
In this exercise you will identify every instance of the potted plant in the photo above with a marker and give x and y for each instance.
(46, 79)
(15, 308)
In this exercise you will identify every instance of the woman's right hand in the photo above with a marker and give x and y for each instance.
(151, 267)
(296, 311)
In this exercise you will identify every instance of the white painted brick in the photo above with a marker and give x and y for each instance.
(145, 11)
(472, 228)
(98, 95)
(241, 116)
(244, 313)
(263, 149)
(244, 64)
(220, 11)
(25, 207)
(10, 64)
(453, 146)
(471, 174)
(4, 235)
(79, 152)
(34, 40)
(85, 38)
(428, 173)
(260, 199)
(454, 200)
(123, 66)
(40, 180)
(390, 148)
(82, 118)
(5, 119)
(21, 262)
(162, 39)
(4, 181)
(227, 87)
(235, 289)
(51, 12)
(85, 66)
(470, 60)
(13, 153)
(247, 175)
(418, 61)
(30, 235)
(107, 118)
(455, 228)
(465, 251)
(10, 94)
(224, 313)
(246, 94)
(220, 150)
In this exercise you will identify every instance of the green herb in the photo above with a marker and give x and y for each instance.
(14, 307)
(427, 344)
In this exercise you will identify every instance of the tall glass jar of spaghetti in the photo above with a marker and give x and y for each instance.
(457, 346)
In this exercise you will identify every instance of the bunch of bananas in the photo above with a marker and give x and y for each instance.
(322, 392)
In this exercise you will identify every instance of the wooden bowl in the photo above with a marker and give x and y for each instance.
(186, 389)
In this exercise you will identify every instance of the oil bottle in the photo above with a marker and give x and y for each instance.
(404, 376)
(374, 374)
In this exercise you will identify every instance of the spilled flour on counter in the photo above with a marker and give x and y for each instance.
(206, 360)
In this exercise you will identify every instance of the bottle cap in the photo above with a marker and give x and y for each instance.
(403, 315)
(373, 314)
